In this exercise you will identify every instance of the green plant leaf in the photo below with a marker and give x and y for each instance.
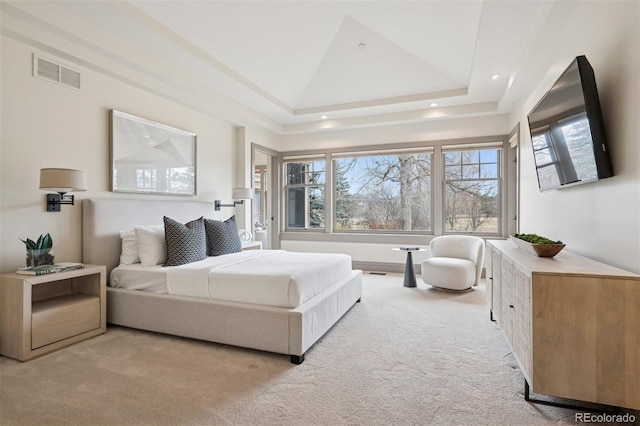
(44, 244)
(47, 242)
(39, 242)
(536, 239)
(29, 243)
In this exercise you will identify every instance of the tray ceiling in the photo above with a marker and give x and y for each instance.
(298, 64)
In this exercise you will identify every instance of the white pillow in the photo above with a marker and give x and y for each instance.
(152, 247)
(129, 254)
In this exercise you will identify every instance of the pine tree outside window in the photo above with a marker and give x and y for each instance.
(305, 189)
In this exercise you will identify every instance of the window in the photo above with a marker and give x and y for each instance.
(305, 189)
(260, 197)
(472, 190)
(411, 189)
(172, 180)
(146, 179)
(576, 134)
(383, 191)
(179, 180)
(546, 158)
(563, 152)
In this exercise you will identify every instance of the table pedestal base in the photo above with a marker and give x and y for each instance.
(409, 274)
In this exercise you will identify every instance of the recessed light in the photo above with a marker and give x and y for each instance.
(324, 117)
(433, 104)
(495, 76)
(361, 46)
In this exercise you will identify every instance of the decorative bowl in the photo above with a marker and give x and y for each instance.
(540, 250)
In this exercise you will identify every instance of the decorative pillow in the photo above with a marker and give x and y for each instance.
(152, 248)
(222, 237)
(185, 243)
(129, 254)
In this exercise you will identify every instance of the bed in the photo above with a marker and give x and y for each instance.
(218, 313)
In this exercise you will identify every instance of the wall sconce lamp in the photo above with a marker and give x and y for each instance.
(240, 194)
(61, 181)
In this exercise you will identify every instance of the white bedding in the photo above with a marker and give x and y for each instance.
(139, 277)
(265, 277)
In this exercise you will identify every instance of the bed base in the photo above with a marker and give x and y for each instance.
(266, 328)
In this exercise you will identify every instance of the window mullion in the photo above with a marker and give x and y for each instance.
(329, 191)
(438, 191)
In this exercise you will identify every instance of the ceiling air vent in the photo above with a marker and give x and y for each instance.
(49, 70)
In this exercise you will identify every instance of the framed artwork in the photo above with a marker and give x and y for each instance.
(151, 158)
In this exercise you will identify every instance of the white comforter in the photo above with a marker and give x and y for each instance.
(265, 277)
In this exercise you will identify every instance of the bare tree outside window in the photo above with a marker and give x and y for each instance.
(472, 190)
(384, 192)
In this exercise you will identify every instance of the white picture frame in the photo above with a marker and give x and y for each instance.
(151, 158)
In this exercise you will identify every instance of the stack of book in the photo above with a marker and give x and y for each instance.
(50, 269)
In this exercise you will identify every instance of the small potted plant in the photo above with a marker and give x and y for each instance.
(39, 252)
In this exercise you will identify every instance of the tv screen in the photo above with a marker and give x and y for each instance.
(567, 131)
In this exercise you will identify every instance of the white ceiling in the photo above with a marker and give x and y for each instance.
(292, 62)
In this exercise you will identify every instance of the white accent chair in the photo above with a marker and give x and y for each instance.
(456, 262)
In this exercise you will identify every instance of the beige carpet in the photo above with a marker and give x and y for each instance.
(401, 357)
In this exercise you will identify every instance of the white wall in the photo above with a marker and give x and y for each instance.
(363, 252)
(49, 125)
(599, 220)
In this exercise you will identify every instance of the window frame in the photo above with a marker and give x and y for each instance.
(429, 150)
(287, 186)
(142, 179)
(329, 234)
(500, 148)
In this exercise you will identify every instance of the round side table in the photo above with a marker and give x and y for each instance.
(409, 274)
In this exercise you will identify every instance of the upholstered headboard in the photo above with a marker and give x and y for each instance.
(104, 218)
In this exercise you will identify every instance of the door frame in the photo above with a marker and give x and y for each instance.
(272, 187)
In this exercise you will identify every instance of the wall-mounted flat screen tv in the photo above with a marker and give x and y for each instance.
(567, 131)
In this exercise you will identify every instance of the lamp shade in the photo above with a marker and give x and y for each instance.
(242, 193)
(63, 180)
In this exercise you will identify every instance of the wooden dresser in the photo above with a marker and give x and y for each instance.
(573, 323)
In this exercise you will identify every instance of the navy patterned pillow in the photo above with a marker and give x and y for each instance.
(186, 243)
(222, 236)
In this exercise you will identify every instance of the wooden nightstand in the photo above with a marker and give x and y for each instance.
(39, 314)
(252, 245)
